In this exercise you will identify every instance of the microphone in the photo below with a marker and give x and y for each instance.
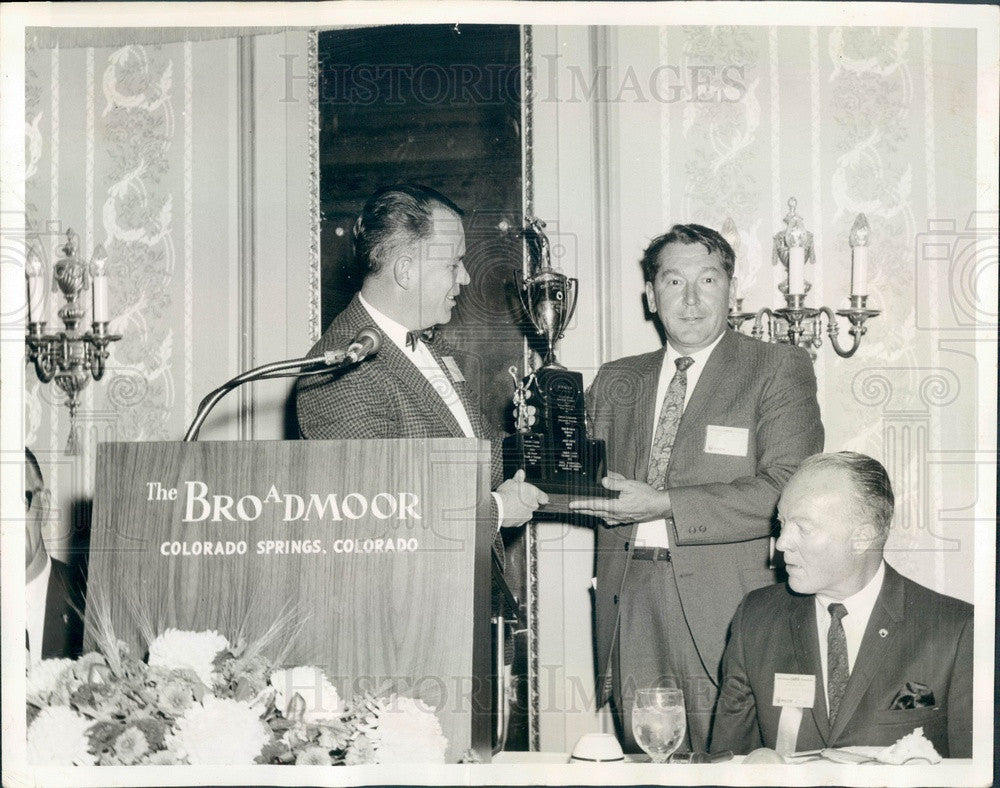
(366, 343)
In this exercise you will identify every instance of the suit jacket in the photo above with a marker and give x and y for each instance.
(385, 396)
(723, 505)
(914, 634)
(62, 635)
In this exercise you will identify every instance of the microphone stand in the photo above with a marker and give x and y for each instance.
(301, 367)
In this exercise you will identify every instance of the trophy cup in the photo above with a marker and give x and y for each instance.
(554, 451)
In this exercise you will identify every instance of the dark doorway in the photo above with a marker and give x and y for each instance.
(438, 105)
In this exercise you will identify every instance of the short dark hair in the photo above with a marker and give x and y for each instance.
(872, 489)
(688, 234)
(32, 461)
(392, 217)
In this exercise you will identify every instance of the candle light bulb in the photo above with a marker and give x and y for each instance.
(859, 238)
(860, 231)
(98, 261)
(33, 273)
(99, 284)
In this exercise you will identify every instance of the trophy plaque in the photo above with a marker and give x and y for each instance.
(552, 447)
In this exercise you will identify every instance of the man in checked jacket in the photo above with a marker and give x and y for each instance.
(410, 242)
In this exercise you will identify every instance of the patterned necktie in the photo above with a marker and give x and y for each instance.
(837, 671)
(666, 427)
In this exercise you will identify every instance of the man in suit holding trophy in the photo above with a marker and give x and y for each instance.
(701, 436)
(410, 242)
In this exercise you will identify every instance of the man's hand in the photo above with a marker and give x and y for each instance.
(637, 503)
(520, 500)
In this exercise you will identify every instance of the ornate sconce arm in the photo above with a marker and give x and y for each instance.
(857, 314)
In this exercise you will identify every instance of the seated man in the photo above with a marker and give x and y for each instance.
(55, 594)
(853, 652)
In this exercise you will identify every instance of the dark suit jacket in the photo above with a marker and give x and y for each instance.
(927, 638)
(385, 396)
(62, 635)
(722, 505)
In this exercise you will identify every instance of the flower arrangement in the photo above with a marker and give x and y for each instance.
(199, 699)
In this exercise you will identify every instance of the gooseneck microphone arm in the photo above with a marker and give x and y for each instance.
(366, 343)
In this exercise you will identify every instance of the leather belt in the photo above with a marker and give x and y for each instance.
(651, 553)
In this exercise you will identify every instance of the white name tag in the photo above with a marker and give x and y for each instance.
(794, 689)
(727, 440)
(453, 370)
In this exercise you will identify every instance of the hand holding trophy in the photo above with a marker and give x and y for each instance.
(551, 444)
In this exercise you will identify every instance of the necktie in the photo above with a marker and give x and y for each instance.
(666, 427)
(425, 334)
(837, 671)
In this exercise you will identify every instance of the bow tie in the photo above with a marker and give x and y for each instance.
(412, 337)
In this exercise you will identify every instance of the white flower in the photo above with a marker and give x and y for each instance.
(405, 730)
(58, 737)
(130, 746)
(218, 731)
(321, 699)
(313, 756)
(177, 648)
(43, 679)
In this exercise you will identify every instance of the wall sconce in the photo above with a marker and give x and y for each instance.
(796, 323)
(69, 357)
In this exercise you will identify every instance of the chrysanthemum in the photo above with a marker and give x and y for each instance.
(360, 752)
(322, 702)
(43, 679)
(405, 730)
(174, 697)
(218, 731)
(58, 737)
(195, 651)
(313, 756)
(130, 746)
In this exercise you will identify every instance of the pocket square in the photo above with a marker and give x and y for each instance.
(913, 695)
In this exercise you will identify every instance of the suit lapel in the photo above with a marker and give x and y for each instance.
(405, 371)
(872, 654)
(805, 641)
(643, 415)
(720, 362)
(439, 349)
(408, 374)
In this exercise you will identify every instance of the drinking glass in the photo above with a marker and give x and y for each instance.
(658, 721)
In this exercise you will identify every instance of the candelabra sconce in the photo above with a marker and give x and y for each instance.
(796, 323)
(69, 357)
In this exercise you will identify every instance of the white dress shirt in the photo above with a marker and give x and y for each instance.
(36, 592)
(654, 533)
(859, 610)
(422, 358)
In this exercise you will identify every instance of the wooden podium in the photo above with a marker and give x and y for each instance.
(383, 546)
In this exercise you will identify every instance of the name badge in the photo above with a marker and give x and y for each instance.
(794, 689)
(453, 370)
(727, 440)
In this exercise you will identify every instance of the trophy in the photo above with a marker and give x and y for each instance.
(553, 448)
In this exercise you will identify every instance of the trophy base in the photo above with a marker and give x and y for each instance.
(545, 467)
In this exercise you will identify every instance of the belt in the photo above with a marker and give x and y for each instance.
(651, 553)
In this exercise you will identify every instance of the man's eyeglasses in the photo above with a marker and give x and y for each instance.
(40, 494)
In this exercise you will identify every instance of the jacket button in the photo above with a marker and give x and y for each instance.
(626, 546)
(616, 599)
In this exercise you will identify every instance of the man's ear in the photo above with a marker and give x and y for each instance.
(402, 271)
(650, 298)
(732, 293)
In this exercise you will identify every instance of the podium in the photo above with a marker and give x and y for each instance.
(381, 547)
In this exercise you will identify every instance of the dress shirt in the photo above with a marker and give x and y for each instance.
(36, 592)
(422, 358)
(654, 533)
(859, 610)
